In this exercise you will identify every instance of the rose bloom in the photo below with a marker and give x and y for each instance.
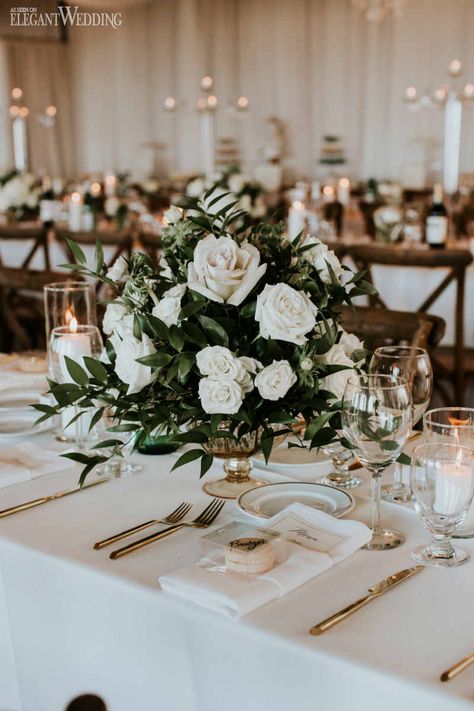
(173, 214)
(169, 306)
(135, 375)
(223, 271)
(220, 396)
(114, 315)
(220, 362)
(119, 270)
(336, 382)
(320, 256)
(285, 314)
(274, 381)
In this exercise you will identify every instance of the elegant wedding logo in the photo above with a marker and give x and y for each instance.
(64, 15)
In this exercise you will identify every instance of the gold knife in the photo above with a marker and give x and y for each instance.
(457, 668)
(374, 591)
(45, 499)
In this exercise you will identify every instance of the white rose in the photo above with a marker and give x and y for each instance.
(169, 306)
(222, 396)
(195, 188)
(223, 271)
(114, 314)
(350, 343)
(118, 272)
(136, 375)
(220, 362)
(285, 314)
(336, 382)
(320, 256)
(165, 269)
(306, 364)
(251, 365)
(274, 381)
(173, 215)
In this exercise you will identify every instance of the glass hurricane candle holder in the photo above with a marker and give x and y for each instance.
(341, 476)
(453, 425)
(75, 342)
(442, 481)
(66, 300)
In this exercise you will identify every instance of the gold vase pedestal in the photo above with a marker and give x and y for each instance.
(237, 465)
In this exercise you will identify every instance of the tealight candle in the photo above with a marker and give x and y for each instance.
(110, 185)
(74, 345)
(344, 191)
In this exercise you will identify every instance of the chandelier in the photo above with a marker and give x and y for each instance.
(377, 10)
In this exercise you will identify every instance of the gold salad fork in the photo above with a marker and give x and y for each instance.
(173, 517)
(205, 519)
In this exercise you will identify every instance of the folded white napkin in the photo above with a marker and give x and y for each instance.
(27, 461)
(330, 540)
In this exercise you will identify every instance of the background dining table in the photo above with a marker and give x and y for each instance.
(72, 620)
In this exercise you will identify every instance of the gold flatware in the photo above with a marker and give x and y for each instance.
(204, 520)
(414, 435)
(374, 592)
(45, 499)
(457, 668)
(173, 517)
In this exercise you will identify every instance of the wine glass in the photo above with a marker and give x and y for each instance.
(452, 425)
(376, 419)
(341, 476)
(118, 464)
(442, 480)
(414, 365)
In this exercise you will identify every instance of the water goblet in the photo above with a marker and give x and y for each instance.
(414, 365)
(442, 481)
(341, 476)
(453, 425)
(376, 419)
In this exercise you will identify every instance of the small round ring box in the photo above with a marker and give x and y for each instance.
(245, 549)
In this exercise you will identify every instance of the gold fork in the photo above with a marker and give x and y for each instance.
(173, 517)
(205, 519)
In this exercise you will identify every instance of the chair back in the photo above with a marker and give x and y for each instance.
(37, 235)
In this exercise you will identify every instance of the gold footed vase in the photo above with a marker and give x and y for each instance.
(237, 465)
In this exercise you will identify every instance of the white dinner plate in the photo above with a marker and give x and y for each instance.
(295, 462)
(17, 399)
(20, 423)
(267, 500)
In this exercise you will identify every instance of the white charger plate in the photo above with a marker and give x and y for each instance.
(267, 500)
(18, 399)
(294, 462)
(20, 423)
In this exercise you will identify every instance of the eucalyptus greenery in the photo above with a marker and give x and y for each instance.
(170, 399)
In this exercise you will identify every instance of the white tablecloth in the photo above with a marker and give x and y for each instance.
(72, 620)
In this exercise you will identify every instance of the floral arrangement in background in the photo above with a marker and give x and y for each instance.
(238, 331)
(249, 192)
(19, 195)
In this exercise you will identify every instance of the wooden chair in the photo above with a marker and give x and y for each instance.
(380, 328)
(38, 235)
(455, 260)
(21, 306)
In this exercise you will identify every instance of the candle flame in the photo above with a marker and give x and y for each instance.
(73, 325)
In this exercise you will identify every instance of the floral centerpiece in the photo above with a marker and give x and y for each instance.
(236, 335)
(19, 196)
(249, 193)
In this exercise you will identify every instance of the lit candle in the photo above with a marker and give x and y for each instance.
(74, 345)
(75, 212)
(328, 193)
(296, 219)
(344, 191)
(453, 488)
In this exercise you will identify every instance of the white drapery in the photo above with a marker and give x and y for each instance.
(315, 64)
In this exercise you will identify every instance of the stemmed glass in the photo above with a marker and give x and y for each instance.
(414, 365)
(118, 465)
(376, 419)
(452, 425)
(442, 480)
(340, 458)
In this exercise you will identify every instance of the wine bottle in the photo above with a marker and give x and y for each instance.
(436, 225)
